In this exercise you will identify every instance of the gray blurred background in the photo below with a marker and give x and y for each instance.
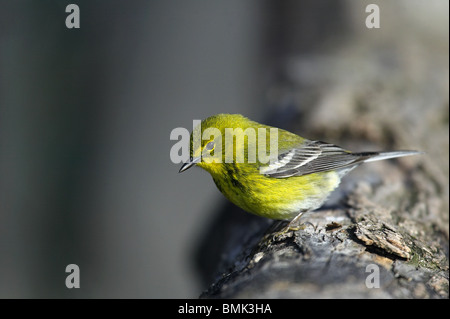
(86, 114)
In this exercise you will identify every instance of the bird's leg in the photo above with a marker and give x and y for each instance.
(292, 226)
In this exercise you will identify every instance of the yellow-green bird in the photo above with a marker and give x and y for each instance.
(299, 178)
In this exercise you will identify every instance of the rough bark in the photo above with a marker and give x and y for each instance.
(333, 256)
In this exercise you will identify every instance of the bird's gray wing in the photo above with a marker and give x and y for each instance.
(312, 157)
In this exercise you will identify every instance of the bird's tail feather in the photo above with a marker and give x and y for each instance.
(394, 154)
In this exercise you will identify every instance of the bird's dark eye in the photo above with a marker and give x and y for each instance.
(209, 146)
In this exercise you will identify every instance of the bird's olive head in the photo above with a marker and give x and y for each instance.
(216, 142)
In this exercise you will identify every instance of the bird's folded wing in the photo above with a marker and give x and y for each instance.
(312, 157)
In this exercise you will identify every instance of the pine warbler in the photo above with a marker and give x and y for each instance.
(296, 179)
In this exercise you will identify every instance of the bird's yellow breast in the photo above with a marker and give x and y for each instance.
(275, 198)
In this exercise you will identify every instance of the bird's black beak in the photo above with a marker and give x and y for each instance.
(189, 164)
